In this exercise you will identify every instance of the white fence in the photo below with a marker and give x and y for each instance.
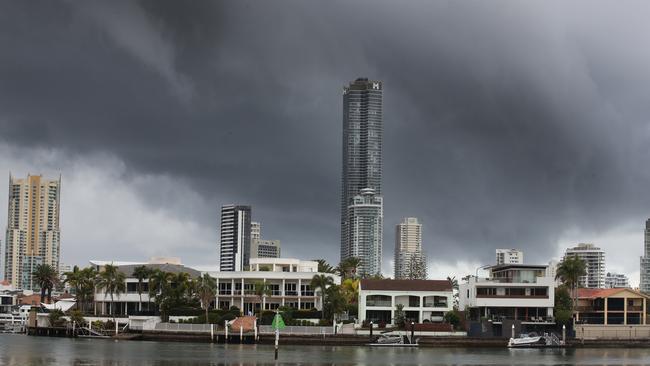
(307, 330)
(188, 328)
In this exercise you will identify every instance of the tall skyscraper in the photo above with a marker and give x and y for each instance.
(616, 280)
(33, 232)
(362, 169)
(366, 213)
(410, 261)
(509, 256)
(235, 238)
(594, 258)
(644, 283)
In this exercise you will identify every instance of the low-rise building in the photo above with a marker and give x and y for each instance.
(516, 292)
(614, 306)
(423, 300)
(287, 280)
(616, 280)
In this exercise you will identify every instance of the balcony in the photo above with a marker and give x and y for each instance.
(224, 292)
(290, 293)
(379, 303)
(480, 296)
(307, 293)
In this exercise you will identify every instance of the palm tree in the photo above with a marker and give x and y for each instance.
(112, 281)
(324, 267)
(74, 279)
(261, 289)
(454, 288)
(350, 290)
(206, 288)
(322, 282)
(348, 267)
(46, 277)
(569, 272)
(88, 280)
(141, 273)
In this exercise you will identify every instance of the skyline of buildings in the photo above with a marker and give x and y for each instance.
(410, 261)
(362, 236)
(33, 235)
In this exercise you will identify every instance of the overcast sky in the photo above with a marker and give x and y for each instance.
(506, 124)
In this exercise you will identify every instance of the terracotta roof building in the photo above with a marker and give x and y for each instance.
(621, 306)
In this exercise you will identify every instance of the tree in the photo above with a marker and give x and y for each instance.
(569, 272)
(334, 302)
(74, 279)
(417, 267)
(141, 273)
(322, 282)
(454, 287)
(350, 290)
(159, 288)
(261, 289)
(46, 277)
(400, 315)
(348, 267)
(452, 317)
(87, 284)
(324, 267)
(206, 288)
(112, 282)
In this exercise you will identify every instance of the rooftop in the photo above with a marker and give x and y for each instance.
(406, 285)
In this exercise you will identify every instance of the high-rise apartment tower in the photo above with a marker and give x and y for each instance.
(594, 258)
(644, 283)
(410, 261)
(362, 169)
(33, 232)
(235, 246)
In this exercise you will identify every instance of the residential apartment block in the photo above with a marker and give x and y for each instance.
(422, 300)
(33, 234)
(616, 280)
(261, 248)
(511, 292)
(287, 279)
(594, 258)
(410, 261)
(509, 256)
(362, 169)
(644, 283)
(235, 247)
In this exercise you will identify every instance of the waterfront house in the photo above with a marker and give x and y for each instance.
(128, 303)
(611, 306)
(423, 300)
(512, 292)
(287, 280)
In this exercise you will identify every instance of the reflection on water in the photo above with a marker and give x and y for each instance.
(20, 350)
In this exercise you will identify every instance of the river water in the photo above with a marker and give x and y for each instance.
(21, 350)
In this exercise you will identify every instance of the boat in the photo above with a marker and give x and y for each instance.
(535, 340)
(394, 340)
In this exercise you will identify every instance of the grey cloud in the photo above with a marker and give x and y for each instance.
(506, 124)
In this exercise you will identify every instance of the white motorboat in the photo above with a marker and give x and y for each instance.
(394, 340)
(534, 340)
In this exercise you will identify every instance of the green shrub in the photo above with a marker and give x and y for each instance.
(77, 317)
(452, 317)
(563, 316)
(56, 318)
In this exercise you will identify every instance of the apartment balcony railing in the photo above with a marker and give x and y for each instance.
(307, 293)
(480, 296)
(290, 293)
(225, 292)
(435, 304)
(530, 319)
(378, 303)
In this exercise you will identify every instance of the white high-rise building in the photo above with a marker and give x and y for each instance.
(33, 233)
(644, 283)
(594, 258)
(365, 231)
(616, 280)
(256, 230)
(235, 243)
(410, 261)
(509, 256)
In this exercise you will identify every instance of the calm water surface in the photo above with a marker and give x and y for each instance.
(21, 350)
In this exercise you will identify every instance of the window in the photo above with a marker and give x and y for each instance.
(539, 291)
(486, 291)
(515, 291)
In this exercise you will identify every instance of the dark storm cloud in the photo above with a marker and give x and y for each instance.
(506, 123)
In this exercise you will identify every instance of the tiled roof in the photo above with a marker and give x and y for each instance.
(592, 293)
(406, 285)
